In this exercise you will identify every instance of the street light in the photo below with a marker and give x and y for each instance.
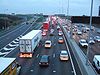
(67, 9)
(88, 49)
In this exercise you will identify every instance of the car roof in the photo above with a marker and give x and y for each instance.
(48, 41)
(60, 38)
(82, 40)
(63, 51)
(44, 58)
(97, 57)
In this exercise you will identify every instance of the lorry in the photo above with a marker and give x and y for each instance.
(29, 42)
(46, 26)
(8, 66)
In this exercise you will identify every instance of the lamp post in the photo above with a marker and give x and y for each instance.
(68, 9)
(89, 34)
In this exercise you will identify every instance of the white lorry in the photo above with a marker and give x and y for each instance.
(29, 42)
(96, 62)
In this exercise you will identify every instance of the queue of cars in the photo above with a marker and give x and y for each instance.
(91, 40)
(63, 55)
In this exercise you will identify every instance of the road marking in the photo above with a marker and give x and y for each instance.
(17, 39)
(54, 71)
(5, 48)
(15, 42)
(11, 45)
(31, 70)
(11, 32)
(37, 55)
(54, 55)
(54, 44)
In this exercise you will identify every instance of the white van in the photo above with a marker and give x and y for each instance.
(96, 62)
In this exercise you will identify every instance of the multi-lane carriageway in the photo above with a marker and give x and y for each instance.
(31, 66)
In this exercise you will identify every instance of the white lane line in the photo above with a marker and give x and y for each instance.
(15, 42)
(11, 45)
(54, 71)
(10, 51)
(11, 32)
(31, 70)
(54, 55)
(17, 39)
(69, 55)
(37, 55)
(4, 53)
(6, 48)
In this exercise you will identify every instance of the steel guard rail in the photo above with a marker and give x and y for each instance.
(79, 56)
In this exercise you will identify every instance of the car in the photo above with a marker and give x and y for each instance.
(44, 60)
(84, 30)
(43, 33)
(91, 41)
(58, 27)
(64, 55)
(52, 30)
(48, 44)
(98, 31)
(79, 32)
(87, 28)
(97, 38)
(60, 40)
(83, 43)
(96, 62)
(51, 34)
(92, 28)
(83, 25)
(18, 68)
(60, 33)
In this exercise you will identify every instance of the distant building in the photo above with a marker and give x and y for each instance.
(99, 11)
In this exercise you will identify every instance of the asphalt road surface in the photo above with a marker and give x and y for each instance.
(30, 66)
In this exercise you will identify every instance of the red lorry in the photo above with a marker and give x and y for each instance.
(46, 26)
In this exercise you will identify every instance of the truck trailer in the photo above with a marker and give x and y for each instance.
(46, 26)
(29, 42)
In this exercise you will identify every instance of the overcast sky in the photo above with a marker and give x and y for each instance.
(76, 7)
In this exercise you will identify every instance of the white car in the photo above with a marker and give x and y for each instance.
(60, 33)
(48, 44)
(83, 43)
(97, 38)
(79, 32)
(87, 28)
(18, 69)
(58, 27)
(64, 55)
(98, 31)
(91, 41)
(96, 62)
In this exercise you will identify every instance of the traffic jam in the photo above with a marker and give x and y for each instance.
(45, 45)
(87, 38)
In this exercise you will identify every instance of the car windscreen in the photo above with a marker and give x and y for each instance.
(47, 43)
(64, 54)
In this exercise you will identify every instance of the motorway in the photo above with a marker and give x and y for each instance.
(30, 66)
(10, 39)
(94, 48)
